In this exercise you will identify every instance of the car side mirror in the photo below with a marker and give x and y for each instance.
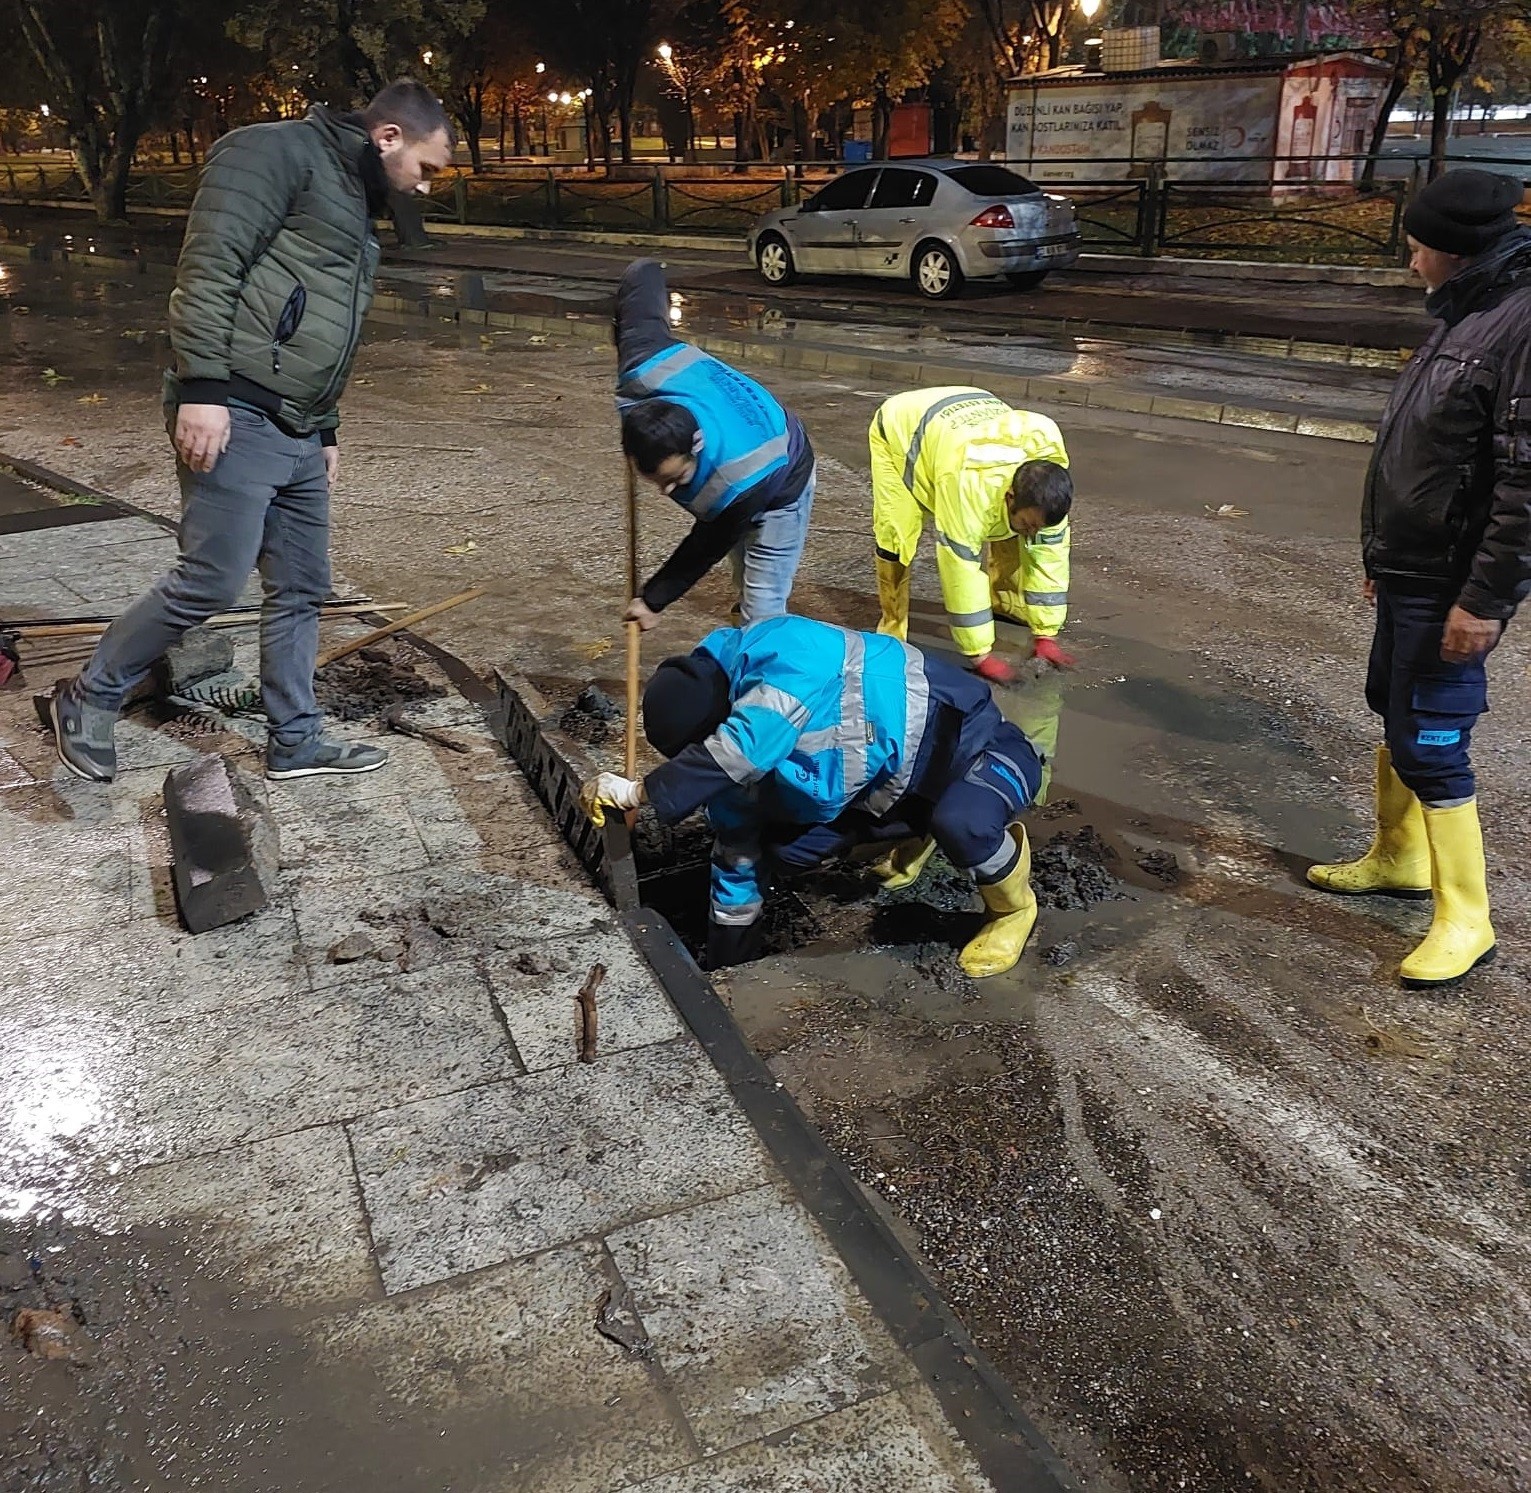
(810, 206)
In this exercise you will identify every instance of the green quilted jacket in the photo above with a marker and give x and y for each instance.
(276, 271)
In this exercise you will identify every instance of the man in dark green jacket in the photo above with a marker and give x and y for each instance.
(274, 282)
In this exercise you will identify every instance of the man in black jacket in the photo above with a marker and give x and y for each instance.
(1446, 540)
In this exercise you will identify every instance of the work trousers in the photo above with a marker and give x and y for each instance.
(1428, 706)
(266, 502)
(969, 816)
(765, 561)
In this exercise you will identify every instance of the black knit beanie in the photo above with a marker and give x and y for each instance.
(685, 702)
(1464, 212)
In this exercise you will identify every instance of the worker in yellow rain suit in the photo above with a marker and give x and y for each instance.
(989, 476)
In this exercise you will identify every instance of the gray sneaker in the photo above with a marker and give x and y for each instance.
(83, 734)
(317, 757)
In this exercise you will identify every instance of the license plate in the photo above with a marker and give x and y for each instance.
(1052, 251)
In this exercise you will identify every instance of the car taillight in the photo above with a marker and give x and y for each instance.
(997, 216)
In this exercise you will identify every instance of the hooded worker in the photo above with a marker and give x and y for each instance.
(803, 740)
(989, 476)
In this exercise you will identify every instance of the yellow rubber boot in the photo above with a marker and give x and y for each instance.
(893, 597)
(1013, 909)
(1398, 863)
(1461, 936)
(902, 865)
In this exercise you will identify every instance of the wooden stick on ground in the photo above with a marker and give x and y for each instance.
(378, 634)
(224, 619)
(587, 1014)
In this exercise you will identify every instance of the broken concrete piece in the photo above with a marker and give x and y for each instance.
(201, 653)
(223, 841)
(352, 947)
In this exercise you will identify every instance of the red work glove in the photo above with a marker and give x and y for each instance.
(995, 670)
(1049, 652)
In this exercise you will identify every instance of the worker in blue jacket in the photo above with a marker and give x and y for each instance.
(803, 740)
(720, 445)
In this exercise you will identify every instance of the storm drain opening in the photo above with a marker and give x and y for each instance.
(665, 868)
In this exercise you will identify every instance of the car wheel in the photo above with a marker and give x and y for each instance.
(1026, 279)
(937, 276)
(773, 257)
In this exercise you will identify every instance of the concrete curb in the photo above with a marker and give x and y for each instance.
(977, 1402)
(1040, 393)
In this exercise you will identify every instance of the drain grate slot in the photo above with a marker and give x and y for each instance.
(556, 767)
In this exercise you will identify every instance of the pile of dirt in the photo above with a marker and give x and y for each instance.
(591, 717)
(363, 686)
(1072, 871)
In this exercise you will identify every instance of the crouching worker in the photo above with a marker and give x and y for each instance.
(803, 740)
(995, 483)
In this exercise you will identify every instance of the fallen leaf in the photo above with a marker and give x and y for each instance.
(91, 399)
(1226, 510)
(134, 334)
(51, 377)
(49, 1334)
(485, 342)
(21, 310)
(479, 389)
(538, 341)
(598, 649)
(362, 383)
(71, 440)
(465, 548)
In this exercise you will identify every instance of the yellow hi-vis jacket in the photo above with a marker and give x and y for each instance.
(953, 453)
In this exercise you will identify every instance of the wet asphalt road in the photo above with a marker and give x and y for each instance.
(1228, 1206)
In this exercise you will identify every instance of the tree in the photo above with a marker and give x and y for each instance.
(106, 70)
(1449, 33)
(341, 52)
(606, 42)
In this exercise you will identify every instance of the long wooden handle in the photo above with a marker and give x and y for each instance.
(634, 648)
(634, 632)
(377, 634)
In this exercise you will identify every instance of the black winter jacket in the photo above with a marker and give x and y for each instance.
(1448, 493)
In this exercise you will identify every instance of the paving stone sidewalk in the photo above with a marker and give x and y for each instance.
(401, 1152)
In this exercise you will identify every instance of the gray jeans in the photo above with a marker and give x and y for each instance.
(266, 502)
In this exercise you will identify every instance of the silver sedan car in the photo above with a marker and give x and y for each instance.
(937, 223)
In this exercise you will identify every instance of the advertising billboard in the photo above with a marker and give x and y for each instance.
(1102, 128)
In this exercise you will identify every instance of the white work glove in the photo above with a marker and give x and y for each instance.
(610, 790)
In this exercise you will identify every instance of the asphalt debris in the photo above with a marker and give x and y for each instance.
(1161, 865)
(363, 686)
(592, 716)
(1073, 871)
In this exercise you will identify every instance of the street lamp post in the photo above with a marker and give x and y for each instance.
(681, 78)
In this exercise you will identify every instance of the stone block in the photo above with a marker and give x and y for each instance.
(201, 653)
(224, 847)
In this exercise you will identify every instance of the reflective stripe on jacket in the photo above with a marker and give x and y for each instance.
(822, 717)
(744, 430)
(961, 450)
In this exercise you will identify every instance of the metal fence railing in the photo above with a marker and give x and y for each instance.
(1310, 209)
